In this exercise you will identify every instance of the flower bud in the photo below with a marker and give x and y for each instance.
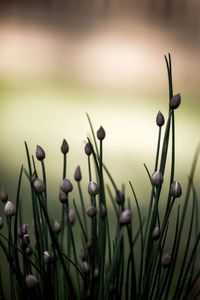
(157, 178)
(91, 211)
(64, 147)
(82, 254)
(47, 257)
(175, 189)
(156, 233)
(1, 223)
(85, 268)
(175, 101)
(66, 186)
(3, 196)
(93, 188)
(119, 197)
(166, 260)
(125, 217)
(56, 227)
(10, 209)
(72, 217)
(77, 174)
(39, 185)
(40, 154)
(101, 133)
(102, 212)
(63, 197)
(26, 240)
(31, 281)
(88, 149)
(23, 230)
(160, 120)
(29, 250)
(34, 176)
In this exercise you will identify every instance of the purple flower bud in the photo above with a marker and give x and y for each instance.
(10, 209)
(63, 197)
(91, 211)
(88, 149)
(93, 188)
(66, 186)
(101, 134)
(56, 227)
(160, 120)
(47, 256)
(156, 233)
(119, 197)
(175, 189)
(39, 186)
(64, 147)
(102, 212)
(31, 281)
(3, 196)
(34, 176)
(77, 174)
(175, 101)
(23, 230)
(125, 217)
(157, 178)
(166, 260)
(1, 223)
(40, 154)
(72, 217)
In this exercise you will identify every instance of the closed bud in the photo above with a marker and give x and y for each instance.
(157, 178)
(72, 217)
(34, 176)
(156, 233)
(66, 186)
(86, 268)
(101, 133)
(39, 185)
(93, 188)
(63, 197)
(125, 217)
(160, 120)
(166, 260)
(25, 240)
(40, 154)
(175, 101)
(175, 189)
(47, 257)
(119, 197)
(10, 209)
(64, 147)
(77, 174)
(1, 223)
(3, 196)
(31, 281)
(29, 250)
(23, 230)
(102, 212)
(88, 149)
(56, 227)
(91, 211)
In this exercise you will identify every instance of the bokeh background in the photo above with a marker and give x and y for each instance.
(62, 58)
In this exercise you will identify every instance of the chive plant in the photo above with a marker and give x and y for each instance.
(49, 265)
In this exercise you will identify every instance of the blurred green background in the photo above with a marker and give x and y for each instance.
(61, 59)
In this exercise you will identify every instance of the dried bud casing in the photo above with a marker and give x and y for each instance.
(125, 217)
(176, 189)
(1, 223)
(63, 197)
(72, 217)
(175, 101)
(119, 197)
(91, 211)
(31, 281)
(3, 196)
(56, 227)
(66, 186)
(77, 174)
(101, 134)
(39, 185)
(160, 120)
(88, 149)
(10, 209)
(156, 233)
(93, 188)
(40, 154)
(157, 178)
(166, 260)
(64, 147)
